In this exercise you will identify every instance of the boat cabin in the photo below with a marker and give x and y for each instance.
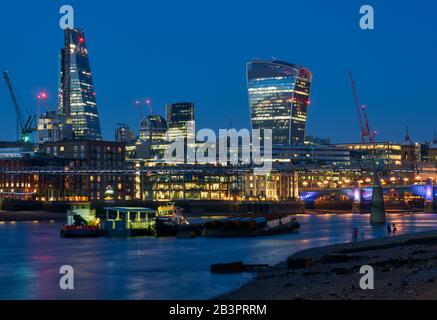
(124, 221)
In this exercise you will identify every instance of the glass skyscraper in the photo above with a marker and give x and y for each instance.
(179, 116)
(279, 95)
(76, 91)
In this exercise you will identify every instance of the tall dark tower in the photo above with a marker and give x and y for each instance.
(76, 90)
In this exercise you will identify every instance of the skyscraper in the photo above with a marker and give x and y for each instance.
(279, 95)
(77, 96)
(179, 116)
(153, 129)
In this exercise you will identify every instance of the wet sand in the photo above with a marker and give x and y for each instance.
(405, 267)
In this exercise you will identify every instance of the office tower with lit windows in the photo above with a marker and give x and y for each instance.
(153, 129)
(76, 89)
(179, 117)
(279, 95)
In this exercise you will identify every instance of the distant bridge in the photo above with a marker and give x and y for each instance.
(364, 193)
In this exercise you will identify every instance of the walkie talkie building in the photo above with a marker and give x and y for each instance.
(279, 95)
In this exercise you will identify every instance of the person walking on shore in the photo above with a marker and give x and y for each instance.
(389, 229)
(355, 234)
(394, 229)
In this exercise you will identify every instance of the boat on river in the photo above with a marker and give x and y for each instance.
(169, 221)
(131, 221)
(251, 226)
(81, 222)
(128, 222)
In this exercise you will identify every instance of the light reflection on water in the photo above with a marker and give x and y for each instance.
(147, 268)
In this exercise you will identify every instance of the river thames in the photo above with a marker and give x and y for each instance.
(146, 268)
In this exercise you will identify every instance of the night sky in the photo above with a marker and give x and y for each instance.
(173, 51)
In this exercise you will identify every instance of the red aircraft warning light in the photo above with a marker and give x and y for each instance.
(42, 95)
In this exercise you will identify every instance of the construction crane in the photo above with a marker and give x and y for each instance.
(148, 103)
(140, 110)
(25, 126)
(367, 135)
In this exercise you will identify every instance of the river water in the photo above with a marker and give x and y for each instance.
(31, 255)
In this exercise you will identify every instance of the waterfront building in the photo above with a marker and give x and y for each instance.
(311, 154)
(179, 117)
(62, 180)
(389, 152)
(329, 179)
(276, 186)
(101, 154)
(191, 183)
(76, 87)
(98, 171)
(16, 150)
(123, 133)
(279, 96)
(65, 179)
(212, 182)
(18, 181)
(414, 152)
(408, 151)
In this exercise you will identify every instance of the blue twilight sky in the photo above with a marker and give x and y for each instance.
(196, 51)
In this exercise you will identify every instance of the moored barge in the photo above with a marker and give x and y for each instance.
(251, 226)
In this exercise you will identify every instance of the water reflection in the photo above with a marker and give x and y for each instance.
(146, 268)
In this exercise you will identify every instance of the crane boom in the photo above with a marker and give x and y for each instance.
(140, 110)
(369, 132)
(20, 118)
(149, 105)
(362, 115)
(24, 126)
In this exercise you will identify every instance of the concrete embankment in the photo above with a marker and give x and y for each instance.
(405, 267)
(26, 216)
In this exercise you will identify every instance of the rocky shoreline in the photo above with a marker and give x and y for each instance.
(405, 267)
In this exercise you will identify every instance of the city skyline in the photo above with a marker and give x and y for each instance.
(223, 94)
(217, 152)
